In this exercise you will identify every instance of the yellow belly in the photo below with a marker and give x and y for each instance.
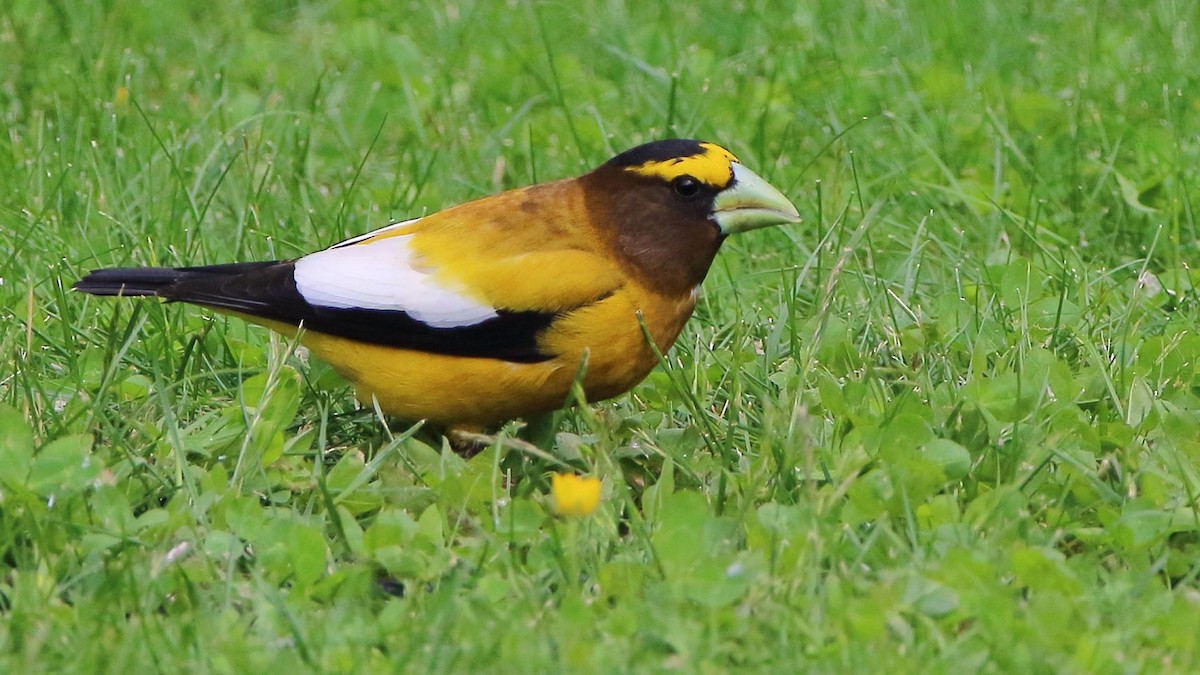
(463, 391)
(448, 390)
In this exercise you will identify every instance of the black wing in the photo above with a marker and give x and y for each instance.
(268, 290)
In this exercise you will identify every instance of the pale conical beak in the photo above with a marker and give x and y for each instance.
(750, 203)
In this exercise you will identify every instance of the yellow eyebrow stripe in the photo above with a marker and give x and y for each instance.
(712, 166)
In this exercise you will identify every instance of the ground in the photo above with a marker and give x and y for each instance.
(950, 422)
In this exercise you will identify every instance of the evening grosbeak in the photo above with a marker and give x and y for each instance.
(486, 311)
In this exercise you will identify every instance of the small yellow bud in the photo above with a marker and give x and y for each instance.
(574, 495)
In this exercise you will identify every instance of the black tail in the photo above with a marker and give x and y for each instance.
(136, 281)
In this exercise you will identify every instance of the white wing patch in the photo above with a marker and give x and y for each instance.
(382, 275)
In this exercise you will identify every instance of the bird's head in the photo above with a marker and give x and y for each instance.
(668, 205)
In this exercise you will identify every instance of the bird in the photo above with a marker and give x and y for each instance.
(491, 310)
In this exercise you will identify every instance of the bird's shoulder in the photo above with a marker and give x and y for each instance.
(546, 217)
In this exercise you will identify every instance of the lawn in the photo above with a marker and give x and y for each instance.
(949, 423)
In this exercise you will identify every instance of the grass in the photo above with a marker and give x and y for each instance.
(949, 423)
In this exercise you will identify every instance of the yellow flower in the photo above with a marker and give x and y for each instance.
(574, 495)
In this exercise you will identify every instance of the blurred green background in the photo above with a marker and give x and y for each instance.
(948, 423)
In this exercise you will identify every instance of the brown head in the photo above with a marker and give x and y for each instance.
(665, 207)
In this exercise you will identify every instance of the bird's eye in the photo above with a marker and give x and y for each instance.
(686, 186)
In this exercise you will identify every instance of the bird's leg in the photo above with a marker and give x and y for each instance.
(465, 440)
(468, 441)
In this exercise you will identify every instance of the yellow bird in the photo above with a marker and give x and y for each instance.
(485, 311)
